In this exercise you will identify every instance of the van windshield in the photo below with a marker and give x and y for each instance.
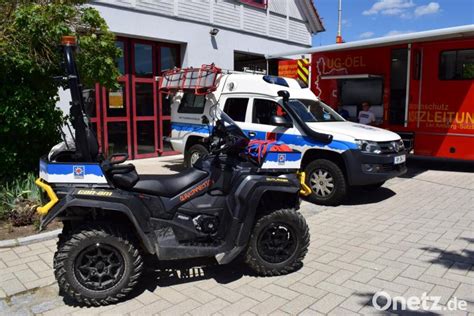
(320, 111)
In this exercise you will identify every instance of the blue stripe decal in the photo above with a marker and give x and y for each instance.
(65, 169)
(189, 127)
(296, 140)
(299, 140)
(275, 156)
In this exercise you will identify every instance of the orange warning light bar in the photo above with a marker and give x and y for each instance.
(68, 40)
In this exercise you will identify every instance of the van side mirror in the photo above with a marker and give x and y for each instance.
(280, 121)
(204, 120)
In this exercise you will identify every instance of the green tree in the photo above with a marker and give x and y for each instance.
(30, 56)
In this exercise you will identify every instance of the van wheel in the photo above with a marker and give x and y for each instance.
(97, 264)
(193, 154)
(326, 181)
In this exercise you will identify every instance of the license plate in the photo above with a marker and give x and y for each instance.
(399, 159)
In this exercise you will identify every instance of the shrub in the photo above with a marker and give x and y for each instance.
(18, 201)
(30, 32)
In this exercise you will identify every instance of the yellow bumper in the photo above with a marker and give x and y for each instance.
(53, 199)
(305, 190)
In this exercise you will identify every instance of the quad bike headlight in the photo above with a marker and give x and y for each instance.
(368, 146)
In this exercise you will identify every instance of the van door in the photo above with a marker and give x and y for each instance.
(258, 124)
(238, 108)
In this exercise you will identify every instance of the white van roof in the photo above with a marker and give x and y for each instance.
(262, 85)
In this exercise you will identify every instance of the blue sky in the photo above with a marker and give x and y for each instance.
(363, 19)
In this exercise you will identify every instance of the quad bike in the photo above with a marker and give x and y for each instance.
(228, 205)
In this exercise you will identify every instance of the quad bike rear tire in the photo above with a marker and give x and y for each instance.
(278, 244)
(97, 264)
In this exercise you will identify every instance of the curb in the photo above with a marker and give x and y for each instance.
(29, 239)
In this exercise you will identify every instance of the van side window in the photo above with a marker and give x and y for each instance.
(191, 103)
(263, 110)
(456, 64)
(236, 108)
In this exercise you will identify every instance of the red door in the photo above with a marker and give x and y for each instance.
(144, 102)
(116, 110)
(136, 118)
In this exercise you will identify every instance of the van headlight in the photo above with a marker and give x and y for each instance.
(368, 146)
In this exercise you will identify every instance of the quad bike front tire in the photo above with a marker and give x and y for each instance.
(278, 244)
(97, 264)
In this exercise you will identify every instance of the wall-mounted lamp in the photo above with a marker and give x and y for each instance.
(214, 31)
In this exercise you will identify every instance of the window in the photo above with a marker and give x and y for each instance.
(456, 65)
(120, 61)
(263, 110)
(236, 108)
(356, 91)
(191, 103)
(314, 111)
(169, 58)
(143, 60)
(256, 3)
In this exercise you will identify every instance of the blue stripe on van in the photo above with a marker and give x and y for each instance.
(297, 140)
(189, 127)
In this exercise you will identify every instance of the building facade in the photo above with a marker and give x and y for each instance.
(157, 35)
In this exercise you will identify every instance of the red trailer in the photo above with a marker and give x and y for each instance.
(420, 85)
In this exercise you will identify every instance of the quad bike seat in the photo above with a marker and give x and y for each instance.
(169, 185)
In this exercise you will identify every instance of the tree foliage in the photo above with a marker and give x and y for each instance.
(30, 56)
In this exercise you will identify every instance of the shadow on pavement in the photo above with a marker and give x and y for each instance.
(359, 196)
(175, 165)
(168, 273)
(462, 260)
(418, 165)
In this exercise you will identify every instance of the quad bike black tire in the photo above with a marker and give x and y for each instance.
(286, 221)
(198, 149)
(116, 254)
(331, 174)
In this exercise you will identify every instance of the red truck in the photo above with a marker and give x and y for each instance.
(420, 85)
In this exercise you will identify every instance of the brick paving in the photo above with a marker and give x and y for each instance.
(413, 236)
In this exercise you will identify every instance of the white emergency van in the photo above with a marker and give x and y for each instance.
(336, 153)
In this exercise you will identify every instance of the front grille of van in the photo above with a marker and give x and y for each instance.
(390, 147)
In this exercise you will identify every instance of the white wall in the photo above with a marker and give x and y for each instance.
(200, 47)
(283, 19)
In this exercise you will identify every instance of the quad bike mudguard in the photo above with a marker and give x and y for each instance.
(108, 200)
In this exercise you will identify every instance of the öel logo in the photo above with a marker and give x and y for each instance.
(78, 172)
(281, 159)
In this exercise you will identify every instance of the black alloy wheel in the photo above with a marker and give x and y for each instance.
(276, 243)
(99, 267)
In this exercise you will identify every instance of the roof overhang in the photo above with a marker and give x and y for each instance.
(309, 11)
(358, 76)
(425, 36)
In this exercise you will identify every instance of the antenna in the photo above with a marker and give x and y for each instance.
(339, 24)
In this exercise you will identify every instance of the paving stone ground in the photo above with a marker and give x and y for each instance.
(414, 235)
